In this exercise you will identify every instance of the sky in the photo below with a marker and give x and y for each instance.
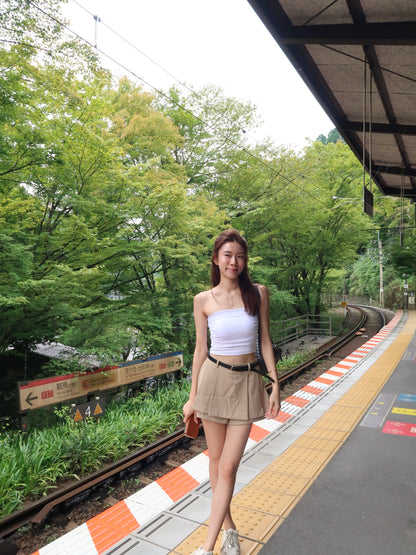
(201, 42)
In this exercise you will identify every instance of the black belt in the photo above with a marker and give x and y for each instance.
(249, 367)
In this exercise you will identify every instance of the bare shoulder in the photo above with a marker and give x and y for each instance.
(203, 296)
(201, 300)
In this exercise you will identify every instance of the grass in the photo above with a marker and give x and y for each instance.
(292, 361)
(33, 463)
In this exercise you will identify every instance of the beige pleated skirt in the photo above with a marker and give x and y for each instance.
(230, 397)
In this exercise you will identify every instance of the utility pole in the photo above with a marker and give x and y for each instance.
(406, 293)
(380, 255)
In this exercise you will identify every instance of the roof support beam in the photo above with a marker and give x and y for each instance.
(394, 170)
(400, 33)
(387, 128)
(294, 41)
(386, 101)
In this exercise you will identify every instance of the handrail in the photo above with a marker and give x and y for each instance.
(291, 329)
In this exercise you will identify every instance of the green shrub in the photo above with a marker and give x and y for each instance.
(33, 463)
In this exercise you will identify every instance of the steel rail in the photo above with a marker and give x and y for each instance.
(333, 347)
(37, 512)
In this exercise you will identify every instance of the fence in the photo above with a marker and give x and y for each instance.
(295, 328)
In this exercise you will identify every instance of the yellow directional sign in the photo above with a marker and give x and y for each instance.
(154, 366)
(49, 391)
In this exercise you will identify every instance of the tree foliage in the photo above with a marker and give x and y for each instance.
(110, 199)
(333, 137)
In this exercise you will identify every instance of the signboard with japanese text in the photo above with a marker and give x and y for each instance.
(48, 391)
(154, 366)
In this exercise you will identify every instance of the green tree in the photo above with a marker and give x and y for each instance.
(224, 167)
(98, 230)
(333, 137)
(213, 127)
(391, 234)
(166, 231)
(307, 235)
(93, 215)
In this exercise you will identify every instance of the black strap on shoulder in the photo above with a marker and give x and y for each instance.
(277, 351)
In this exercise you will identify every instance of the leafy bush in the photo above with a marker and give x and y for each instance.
(33, 463)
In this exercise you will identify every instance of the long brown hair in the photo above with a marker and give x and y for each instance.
(248, 292)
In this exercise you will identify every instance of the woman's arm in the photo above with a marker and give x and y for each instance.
(200, 352)
(267, 351)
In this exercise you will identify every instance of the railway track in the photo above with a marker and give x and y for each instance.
(370, 321)
(36, 514)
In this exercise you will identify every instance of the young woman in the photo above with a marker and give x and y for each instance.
(228, 392)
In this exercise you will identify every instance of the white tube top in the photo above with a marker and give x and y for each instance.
(233, 332)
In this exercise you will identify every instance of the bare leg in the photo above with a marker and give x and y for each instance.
(226, 447)
(215, 439)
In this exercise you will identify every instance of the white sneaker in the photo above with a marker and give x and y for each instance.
(230, 545)
(201, 551)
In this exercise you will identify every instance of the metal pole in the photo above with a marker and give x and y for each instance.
(406, 291)
(380, 254)
(364, 122)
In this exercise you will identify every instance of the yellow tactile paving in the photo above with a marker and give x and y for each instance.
(294, 459)
(257, 513)
(303, 469)
(255, 498)
(358, 399)
(281, 483)
(253, 524)
(320, 444)
(342, 419)
(322, 433)
(193, 541)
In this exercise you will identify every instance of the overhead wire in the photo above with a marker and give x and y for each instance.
(129, 43)
(164, 95)
(192, 91)
(387, 71)
(180, 82)
(320, 12)
(357, 58)
(362, 60)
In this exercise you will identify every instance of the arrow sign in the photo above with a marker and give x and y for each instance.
(29, 399)
(57, 389)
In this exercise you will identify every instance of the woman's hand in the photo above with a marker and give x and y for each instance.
(274, 404)
(188, 411)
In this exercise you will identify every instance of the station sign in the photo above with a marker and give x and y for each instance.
(137, 370)
(57, 389)
(368, 202)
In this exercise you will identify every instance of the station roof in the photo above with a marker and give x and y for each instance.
(328, 43)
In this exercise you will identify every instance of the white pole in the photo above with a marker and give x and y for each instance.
(380, 253)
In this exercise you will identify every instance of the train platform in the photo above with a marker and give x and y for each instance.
(333, 473)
